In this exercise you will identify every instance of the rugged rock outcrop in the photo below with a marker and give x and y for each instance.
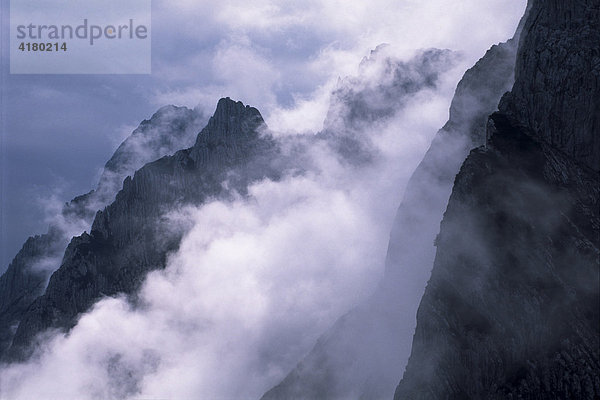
(382, 87)
(24, 280)
(168, 130)
(555, 93)
(363, 103)
(363, 354)
(512, 308)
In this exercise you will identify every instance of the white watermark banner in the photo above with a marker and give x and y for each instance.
(80, 37)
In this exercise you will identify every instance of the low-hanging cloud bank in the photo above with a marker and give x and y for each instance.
(255, 280)
(285, 58)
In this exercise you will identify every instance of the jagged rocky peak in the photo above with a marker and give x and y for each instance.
(381, 87)
(233, 130)
(171, 128)
(131, 237)
(232, 118)
(168, 130)
(369, 100)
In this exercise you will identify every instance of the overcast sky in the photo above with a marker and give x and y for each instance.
(282, 57)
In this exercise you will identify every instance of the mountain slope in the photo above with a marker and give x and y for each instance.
(169, 129)
(512, 306)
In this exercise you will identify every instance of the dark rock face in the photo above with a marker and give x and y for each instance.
(23, 281)
(558, 79)
(512, 308)
(79, 281)
(170, 129)
(363, 354)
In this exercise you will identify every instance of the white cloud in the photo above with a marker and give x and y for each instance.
(279, 56)
(257, 280)
(253, 284)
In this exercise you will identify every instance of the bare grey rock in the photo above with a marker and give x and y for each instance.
(558, 79)
(168, 130)
(128, 238)
(511, 310)
(24, 280)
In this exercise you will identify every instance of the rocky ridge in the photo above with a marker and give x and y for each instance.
(26, 278)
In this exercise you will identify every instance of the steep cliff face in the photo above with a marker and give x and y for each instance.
(363, 354)
(24, 280)
(512, 308)
(168, 130)
(557, 79)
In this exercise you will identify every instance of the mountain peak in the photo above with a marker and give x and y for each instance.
(228, 109)
(232, 118)
(168, 110)
(225, 104)
(169, 129)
